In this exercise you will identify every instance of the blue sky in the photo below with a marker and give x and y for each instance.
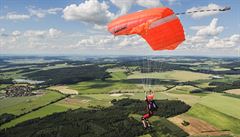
(79, 27)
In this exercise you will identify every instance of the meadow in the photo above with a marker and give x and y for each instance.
(20, 105)
(181, 76)
(216, 118)
(45, 111)
(218, 110)
(223, 104)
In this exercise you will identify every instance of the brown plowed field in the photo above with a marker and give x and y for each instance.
(197, 127)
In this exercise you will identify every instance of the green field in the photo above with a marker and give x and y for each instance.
(182, 89)
(2, 86)
(171, 75)
(119, 75)
(222, 111)
(98, 86)
(216, 118)
(104, 100)
(115, 84)
(19, 105)
(48, 110)
(12, 74)
(189, 99)
(224, 104)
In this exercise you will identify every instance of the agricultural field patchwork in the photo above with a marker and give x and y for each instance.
(186, 80)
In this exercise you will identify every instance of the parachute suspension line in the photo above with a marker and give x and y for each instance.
(206, 10)
(149, 70)
(143, 72)
(146, 70)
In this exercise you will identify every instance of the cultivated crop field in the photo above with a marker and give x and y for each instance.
(48, 110)
(216, 118)
(223, 104)
(172, 75)
(191, 80)
(19, 105)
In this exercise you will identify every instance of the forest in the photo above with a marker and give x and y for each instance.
(69, 75)
(108, 122)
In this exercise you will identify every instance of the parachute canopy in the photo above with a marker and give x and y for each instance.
(160, 27)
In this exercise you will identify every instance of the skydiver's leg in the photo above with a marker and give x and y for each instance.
(148, 124)
(144, 124)
(144, 120)
(149, 115)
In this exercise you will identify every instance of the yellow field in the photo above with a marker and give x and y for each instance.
(171, 75)
(233, 91)
(64, 90)
(197, 127)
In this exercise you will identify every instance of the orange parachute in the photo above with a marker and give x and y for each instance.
(160, 27)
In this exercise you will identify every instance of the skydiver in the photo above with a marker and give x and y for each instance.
(151, 107)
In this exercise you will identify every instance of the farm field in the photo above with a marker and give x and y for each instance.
(197, 127)
(216, 118)
(64, 90)
(187, 98)
(19, 105)
(172, 75)
(233, 91)
(223, 104)
(48, 110)
(217, 112)
(103, 100)
(97, 86)
(182, 89)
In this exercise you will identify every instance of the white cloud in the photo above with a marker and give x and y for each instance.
(90, 11)
(51, 33)
(211, 30)
(149, 3)
(203, 35)
(16, 33)
(2, 29)
(54, 10)
(15, 16)
(31, 41)
(204, 14)
(108, 42)
(54, 32)
(229, 42)
(123, 5)
(41, 13)
(35, 33)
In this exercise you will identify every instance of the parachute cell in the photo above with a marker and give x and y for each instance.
(160, 27)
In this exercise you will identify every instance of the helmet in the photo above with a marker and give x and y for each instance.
(150, 97)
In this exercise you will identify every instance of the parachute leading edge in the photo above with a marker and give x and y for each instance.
(160, 27)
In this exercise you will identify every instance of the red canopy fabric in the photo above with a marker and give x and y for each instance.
(160, 27)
